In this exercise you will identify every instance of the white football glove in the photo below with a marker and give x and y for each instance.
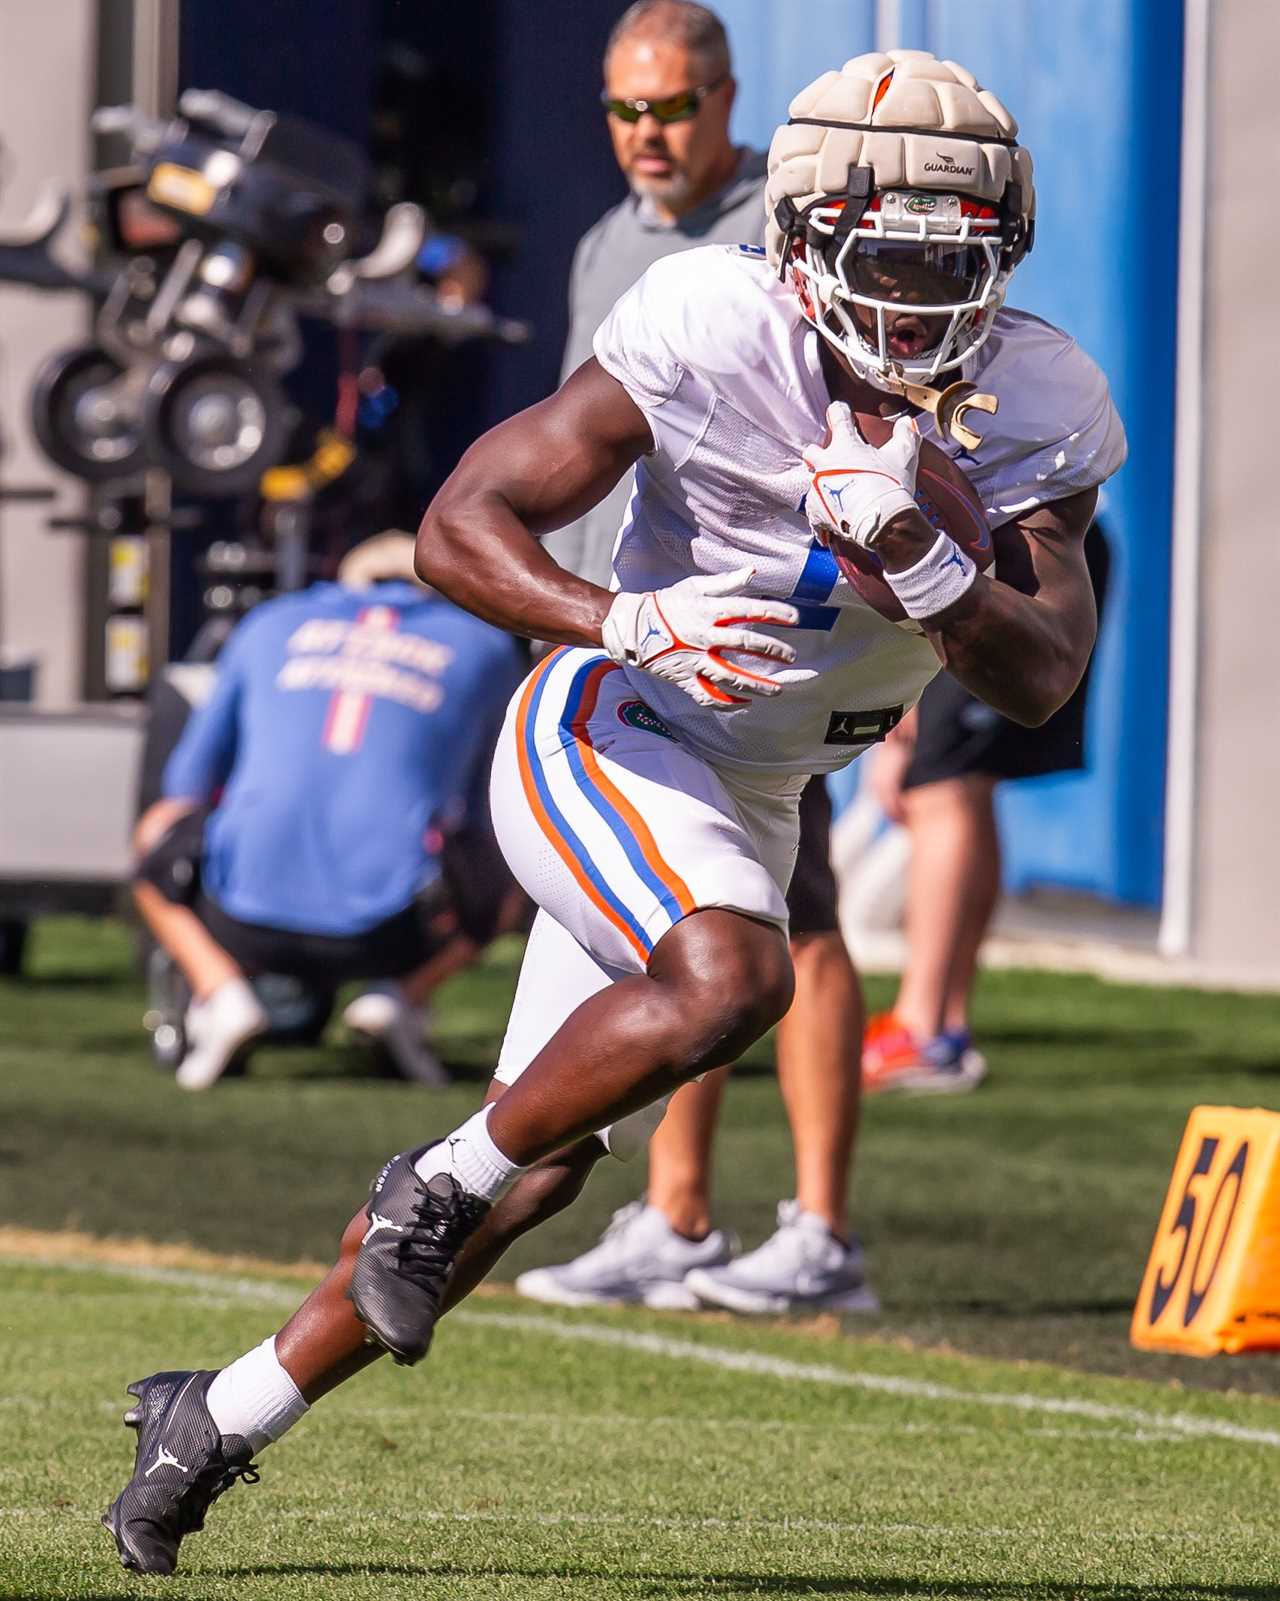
(680, 634)
(855, 488)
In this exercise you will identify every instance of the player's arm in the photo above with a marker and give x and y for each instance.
(200, 763)
(479, 540)
(478, 544)
(1020, 642)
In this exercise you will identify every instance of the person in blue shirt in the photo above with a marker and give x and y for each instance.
(306, 808)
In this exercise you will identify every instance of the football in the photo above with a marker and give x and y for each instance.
(947, 499)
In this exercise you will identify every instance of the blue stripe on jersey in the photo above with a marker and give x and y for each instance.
(601, 803)
(819, 575)
(817, 579)
(558, 817)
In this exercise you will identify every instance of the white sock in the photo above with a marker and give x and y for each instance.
(470, 1156)
(255, 1397)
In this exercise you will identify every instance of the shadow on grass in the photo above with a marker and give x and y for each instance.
(1010, 1307)
(710, 1582)
(29, 983)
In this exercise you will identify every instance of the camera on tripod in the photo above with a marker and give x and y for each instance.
(228, 223)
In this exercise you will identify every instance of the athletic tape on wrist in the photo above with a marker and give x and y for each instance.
(935, 582)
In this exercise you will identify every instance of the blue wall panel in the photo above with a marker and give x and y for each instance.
(773, 58)
(1096, 88)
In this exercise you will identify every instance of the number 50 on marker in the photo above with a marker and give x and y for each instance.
(1212, 1281)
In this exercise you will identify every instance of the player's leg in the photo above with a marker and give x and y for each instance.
(692, 952)
(641, 1256)
(651, 1244)
(811, 1259)
(939, 879)
(199, 1431)
(960, 745)
(323, 1344)
(225, 1014)
(680, 1156)
(205, 965)
(472, 899)
(640, 852)
(819, 1071)
(714, 983)
(978, 906)
(952, 886)
(406, 956)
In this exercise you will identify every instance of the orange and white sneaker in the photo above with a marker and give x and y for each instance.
(895, 1058)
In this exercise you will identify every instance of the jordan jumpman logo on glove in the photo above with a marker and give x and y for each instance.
(855, 489)
(693, 634)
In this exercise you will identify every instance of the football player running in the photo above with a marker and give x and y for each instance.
(646, 783)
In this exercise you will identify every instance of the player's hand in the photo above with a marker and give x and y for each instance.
(681, 634)
(855, 489)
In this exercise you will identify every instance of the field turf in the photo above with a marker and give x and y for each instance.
(992, 1435)
(576, 1457)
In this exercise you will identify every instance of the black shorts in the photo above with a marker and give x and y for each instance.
(811, 898)
(389, 949)
(959, 735)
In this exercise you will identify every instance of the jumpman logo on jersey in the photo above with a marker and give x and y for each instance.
(164, 1460)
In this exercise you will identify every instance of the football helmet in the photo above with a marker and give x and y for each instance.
(897, 205)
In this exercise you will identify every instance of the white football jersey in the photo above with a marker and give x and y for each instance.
(713, 349)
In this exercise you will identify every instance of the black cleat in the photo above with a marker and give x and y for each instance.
(181, 1467)
(416, 1229)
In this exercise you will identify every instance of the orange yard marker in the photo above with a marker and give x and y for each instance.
(1212, 1282)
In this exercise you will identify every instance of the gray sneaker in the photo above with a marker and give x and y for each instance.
(640, 1257)
(802, 1266)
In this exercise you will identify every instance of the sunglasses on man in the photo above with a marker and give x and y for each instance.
(673, 108)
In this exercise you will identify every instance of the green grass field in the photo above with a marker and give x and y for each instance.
(991, 1435)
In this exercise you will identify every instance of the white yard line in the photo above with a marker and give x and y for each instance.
(1154, 1425)
(1183, 1424)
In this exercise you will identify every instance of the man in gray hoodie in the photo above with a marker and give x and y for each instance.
(668, 94)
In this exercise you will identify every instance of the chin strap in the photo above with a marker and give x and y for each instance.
(948, 406)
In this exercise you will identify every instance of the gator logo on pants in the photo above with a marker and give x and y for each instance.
(638, 715)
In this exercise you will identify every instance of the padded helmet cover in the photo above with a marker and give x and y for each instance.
(915, 121)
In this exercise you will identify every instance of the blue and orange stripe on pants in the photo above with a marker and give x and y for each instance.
(609, 803)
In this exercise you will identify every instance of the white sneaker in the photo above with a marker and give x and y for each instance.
(217, 1028)
(801, 1266)
(640, 1257)
(384, 1017)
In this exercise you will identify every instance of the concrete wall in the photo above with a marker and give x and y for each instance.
(46, 77)
(1235, 914)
